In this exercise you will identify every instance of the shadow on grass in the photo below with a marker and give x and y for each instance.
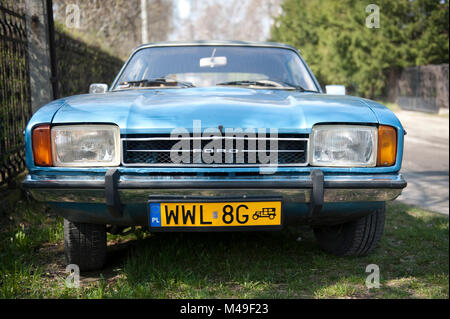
(412, 257)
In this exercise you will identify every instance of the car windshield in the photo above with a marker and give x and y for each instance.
(204, 66)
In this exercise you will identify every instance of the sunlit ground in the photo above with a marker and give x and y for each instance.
(413, 259)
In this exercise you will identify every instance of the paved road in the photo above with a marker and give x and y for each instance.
(426, 161)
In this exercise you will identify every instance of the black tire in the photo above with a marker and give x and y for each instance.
(356, 238)
(85, 245)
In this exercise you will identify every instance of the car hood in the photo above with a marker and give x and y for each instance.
(156, 111)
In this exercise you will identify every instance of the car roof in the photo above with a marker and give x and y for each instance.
(218, 43)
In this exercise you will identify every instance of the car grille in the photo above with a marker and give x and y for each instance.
(155, 150)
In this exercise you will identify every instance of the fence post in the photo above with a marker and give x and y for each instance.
(51, 38)
(38, 53)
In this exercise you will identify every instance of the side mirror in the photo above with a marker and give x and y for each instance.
(97, 88)
(335, 89)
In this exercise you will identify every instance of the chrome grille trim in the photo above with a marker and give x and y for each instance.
(244, 151)
(213, 165)
(214, 137)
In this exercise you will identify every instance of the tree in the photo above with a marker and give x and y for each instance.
(246, 20)
(334, 39)
(116, 24)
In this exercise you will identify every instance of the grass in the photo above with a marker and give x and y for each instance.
(394, 107)
(413, 258)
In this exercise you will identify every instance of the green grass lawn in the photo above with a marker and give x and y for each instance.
(413, 259)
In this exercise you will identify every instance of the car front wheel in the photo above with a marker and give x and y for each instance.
(356, 238)
(85, 245)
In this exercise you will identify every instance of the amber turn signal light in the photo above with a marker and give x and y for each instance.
(387, 145)
(42, 150)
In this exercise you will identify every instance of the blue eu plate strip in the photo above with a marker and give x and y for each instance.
(155, 214)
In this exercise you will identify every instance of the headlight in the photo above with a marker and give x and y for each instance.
(343, 145)
(86, 145)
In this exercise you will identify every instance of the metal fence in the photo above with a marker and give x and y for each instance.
(15, 100)
(79, 64)
(420, 88)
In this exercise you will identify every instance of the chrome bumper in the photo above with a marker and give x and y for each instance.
(131, 189)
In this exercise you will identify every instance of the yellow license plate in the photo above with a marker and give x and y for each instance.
(215, 214)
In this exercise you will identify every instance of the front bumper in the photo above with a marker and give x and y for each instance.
(121, 193)
(134, 188)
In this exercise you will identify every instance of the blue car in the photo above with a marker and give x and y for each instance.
(215, 136)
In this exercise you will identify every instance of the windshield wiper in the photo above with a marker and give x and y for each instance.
(156, 82)
(300, 88)
(252, 82)
(290, 85)
(268, 83)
